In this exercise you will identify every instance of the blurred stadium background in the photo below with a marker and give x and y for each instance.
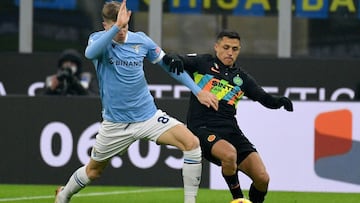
(310, 54)
(319, 28)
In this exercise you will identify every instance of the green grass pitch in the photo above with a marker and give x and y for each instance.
(112, 194)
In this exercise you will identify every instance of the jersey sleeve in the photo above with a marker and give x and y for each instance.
(190, 62)
(155, 53)
(252, 90)
(257, 93)
(98, 41)
(184, 78)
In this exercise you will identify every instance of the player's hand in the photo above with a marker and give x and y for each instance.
(123, 16)
(174, 62)
(286, 102)
(208, 99)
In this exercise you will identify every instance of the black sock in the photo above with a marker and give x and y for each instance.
(234, 185)
(255, 195)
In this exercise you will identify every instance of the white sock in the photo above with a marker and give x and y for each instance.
(191, 174)
(77, 181)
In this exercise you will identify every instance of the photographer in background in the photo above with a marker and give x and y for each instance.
(69, 79)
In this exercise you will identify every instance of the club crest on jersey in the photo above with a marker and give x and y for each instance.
(158, 50)
(211, 138)
(237, 80)
(136, 48)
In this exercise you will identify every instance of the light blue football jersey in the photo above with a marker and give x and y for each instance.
(123, 88)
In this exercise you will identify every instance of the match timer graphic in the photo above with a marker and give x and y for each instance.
(336, 153)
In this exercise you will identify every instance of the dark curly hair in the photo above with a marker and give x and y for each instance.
(228, 33)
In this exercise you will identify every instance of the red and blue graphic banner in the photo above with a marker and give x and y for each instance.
(314, 148)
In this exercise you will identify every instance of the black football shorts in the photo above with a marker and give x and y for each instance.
(209, 136)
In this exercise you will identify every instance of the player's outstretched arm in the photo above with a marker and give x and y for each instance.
(96, 47)
(175, 64)
(206, 98)
(275, 102)
(257, 93)
(96, 44)
(286, 103)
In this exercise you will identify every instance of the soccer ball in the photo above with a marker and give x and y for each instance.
(241, 200)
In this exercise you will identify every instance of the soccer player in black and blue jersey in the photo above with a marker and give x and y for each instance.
(221, 139)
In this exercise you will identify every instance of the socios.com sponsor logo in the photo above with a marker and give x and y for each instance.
(336, 153)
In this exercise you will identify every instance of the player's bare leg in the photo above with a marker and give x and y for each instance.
(255, 169)
(183, 139)
(226, 153)
(80, 178)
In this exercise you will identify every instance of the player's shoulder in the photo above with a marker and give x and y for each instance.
(139, 37)
(139, 34)
(200, 56)
(244, 73)
(207, 57)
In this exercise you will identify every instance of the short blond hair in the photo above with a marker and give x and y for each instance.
(110, 10)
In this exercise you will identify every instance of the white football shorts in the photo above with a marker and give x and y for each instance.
(115, 138)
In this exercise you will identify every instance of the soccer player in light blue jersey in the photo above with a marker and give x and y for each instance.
(129, 111)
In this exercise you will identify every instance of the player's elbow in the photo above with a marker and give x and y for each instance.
(89, 54)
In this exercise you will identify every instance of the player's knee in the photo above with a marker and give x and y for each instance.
(266, 179)
(94, 174)
(193, 156)
(192, 144)
(229, 158)
(228, 163)
(263, 179)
